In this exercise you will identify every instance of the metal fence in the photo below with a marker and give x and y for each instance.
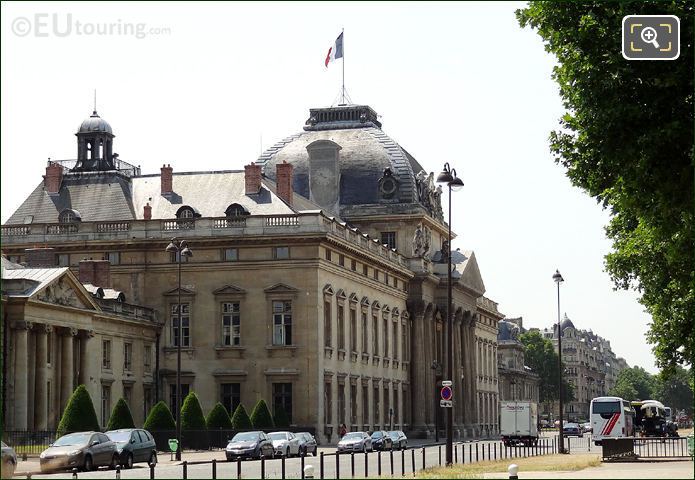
(27, 442)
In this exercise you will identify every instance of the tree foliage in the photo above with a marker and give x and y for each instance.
(673, 389)
(634, 384)
(240, 419)
(192, 417)
(120, 416)
(260, 416)
(160, 418)
(218, 418)
(540, 356)
(79, 414)
(627, 140)
(280, 418)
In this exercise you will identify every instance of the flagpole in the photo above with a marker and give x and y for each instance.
(342, 92)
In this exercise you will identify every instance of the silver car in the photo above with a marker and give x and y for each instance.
(285, 443)
(355, 442)
(85, 450)
(400, 441)
(9, 461)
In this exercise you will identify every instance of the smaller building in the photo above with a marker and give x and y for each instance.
(517, 381)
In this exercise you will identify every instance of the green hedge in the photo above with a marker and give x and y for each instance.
(192, 417)
(240, 419)
(260, 417)
(160, 418)
(280, 418)
(120, 416)
(79, 414)
(218, 418)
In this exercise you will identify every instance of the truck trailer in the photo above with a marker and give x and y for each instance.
(519, 423)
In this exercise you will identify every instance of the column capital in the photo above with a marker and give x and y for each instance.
(22, 325)
(68, 331)
(87, 334)
(43, 328)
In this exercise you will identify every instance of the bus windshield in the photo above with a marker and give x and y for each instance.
(605, 407)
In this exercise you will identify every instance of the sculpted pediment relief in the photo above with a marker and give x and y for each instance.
(62, 292)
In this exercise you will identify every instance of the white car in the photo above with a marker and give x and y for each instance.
(285, 443)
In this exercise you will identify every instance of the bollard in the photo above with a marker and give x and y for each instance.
(118, 473)
(513, 471)
(463, 453)
(352, 464)
(470, 453)
(366, 464)
(185, 469)
(74, 473)
(456, 454)
(308, 472)
(152, 471)
(303, 456)
(423, 458)
(378, 463)
(495, 452)
(440, 455)
(282, 466)
(29, 476)
(488, 451)
(238, 468)
(262, 466)
(403, 462)
(214, 469)
(476, 451)
(412, 460)
(391, 455)
(321, 466)
(337, 465)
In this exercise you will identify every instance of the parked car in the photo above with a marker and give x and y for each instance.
(285, 443)
(586, 427)
(381, 440)
(134, 446)
(9, 461)
(307, 443)
(400, 441)
(249, 445)
(572, 429)
(355, 442)
(85, 450)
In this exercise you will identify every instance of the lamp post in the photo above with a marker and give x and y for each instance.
(454, 183)
(557, 278)
(181, 250)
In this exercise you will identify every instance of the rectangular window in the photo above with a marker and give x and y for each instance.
(230, 396)
(341, 327)
(114, 258)
(341, 260)
(365, 406)
(395, 282)
(147, 399)
(185, 325)
(328, 255)
(282, 398)
(386, 337)
(127, 356)
(376, 407)
(375, 335)
(106, 354)
(281, 253)
(353, 265)
(365, 270)
(128, 395)
(353, 404)
(327, 324)
(404, 339)
(105, 404)
(395, 340)
(147, 358)
(365, 333)
(63, 260)
(388, 239)
(327, 404)
(386, 278)
(230, 254)
(386, 417)
(341, 403)
(185, 389)
(376, 274)
(282, 322)
(353, 330)
(231, 324)
(395, 405)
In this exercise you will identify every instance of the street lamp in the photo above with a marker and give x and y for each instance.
(454, 183)
(557, 278)
(181, 250)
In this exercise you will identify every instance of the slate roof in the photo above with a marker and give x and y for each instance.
(41, 276)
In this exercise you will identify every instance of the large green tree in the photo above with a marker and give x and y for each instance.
(79, 414)
(120, 416)
(540, 356)
(634, 384)
(627, 140)
(673, 389)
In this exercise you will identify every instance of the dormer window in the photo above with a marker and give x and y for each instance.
(186, 212)
(235, 210)
(69, 216)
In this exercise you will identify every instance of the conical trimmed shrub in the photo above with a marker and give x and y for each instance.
(192, 417)
(280, 418)
(260, 417)
(160, 418)
(240, 419)
(79, 414)
(120, 416)
(218, 418)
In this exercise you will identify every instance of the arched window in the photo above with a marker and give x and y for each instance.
(235, 210)
(69, 216)
(187, 212)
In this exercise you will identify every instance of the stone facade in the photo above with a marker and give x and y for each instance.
(516, 380)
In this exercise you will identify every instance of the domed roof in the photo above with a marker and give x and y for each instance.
(566, 323)
(95, 124)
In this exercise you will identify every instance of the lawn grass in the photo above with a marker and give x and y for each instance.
(542, 463)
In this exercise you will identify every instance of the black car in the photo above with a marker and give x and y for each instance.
(307, 443)
(249, 445)
(134, 445)
(381, 440)
(400, 441)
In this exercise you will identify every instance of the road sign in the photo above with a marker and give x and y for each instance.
(447, 383)
(446, 393)
(446, 403)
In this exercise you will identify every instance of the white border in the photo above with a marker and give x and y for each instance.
(622, 38)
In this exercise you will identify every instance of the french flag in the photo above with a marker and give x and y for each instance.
(336, 51)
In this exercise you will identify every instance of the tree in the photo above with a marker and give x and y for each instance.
(160, 418)
(79, 414)
(120, 416)
(627, 140)
(634, 384)
(218, 418)
(192, 417)
(240, 419)
(280, 418)
(674, 390)
(540, 356)
(260, 416)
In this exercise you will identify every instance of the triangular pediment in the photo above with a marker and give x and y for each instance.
(328, 290)
(175, 292)
(365, 301)
(376, 304)
(470, 276)
(66, 290)
(386, 309)
(341, 294)
(229, 290)
(395, 311)
(354, 298)
(281, 288)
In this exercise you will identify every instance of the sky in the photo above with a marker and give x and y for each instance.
(205, 86)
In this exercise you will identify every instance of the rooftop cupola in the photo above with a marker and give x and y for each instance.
(94, 145)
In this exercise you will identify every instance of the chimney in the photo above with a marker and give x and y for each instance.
(167, 180)
(53, 178)
(284, 181)
(147, 214)
(40, 257)
(252, 178)
(96, 272)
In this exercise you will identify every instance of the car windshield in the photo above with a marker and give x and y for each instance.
(72, 439)
(352, 436)
(120, 437)
(278, 436)
(245, 437)
(393, 434)
(377, 435)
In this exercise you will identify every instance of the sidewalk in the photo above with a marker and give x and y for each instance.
(627, 470)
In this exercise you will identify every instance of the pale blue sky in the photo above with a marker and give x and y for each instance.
(457, 83)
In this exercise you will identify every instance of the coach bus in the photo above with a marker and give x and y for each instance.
(611, 417)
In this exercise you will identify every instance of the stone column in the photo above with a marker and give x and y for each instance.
(418, 369)
(334, 403)
(21, 384)
(40, 399)
(458, 381)
(67, 367)
(348, 398)
(361, 419)
(87, 361)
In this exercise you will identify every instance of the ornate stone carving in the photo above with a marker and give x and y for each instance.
(429, 195)
(60, 293)
(422, 241)
(388, 184)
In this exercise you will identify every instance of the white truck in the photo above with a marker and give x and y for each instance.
(519, 423)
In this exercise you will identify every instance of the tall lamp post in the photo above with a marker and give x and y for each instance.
(557, 278)
(181, 250)
(448, 176)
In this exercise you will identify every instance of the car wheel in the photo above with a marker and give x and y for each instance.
(88, 464)
(129, 461)
(153, 459)
(287, 452)
(316, 451)
(114, 462)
